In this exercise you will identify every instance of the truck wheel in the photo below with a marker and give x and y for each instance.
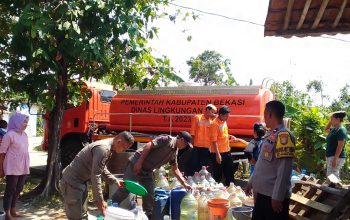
(69, 149)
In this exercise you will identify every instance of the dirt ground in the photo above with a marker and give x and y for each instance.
(45, 213)
(40, 209)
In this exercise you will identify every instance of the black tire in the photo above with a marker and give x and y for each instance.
(69, 149)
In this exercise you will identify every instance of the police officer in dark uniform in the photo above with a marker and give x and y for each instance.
(271, 178)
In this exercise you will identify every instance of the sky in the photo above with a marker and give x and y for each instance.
(252, 55)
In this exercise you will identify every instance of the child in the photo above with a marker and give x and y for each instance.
(253, 149)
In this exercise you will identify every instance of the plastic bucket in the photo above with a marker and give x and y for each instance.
(176, 196)
(114, 213)
(242, 213)
(2, 215)
(218, 208)
(161, 191)
(160, 203)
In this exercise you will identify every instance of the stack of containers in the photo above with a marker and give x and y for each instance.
(207, 200)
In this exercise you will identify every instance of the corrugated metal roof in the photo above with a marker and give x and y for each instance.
(302, 18)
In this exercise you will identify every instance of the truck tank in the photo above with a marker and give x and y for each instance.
(169, 110)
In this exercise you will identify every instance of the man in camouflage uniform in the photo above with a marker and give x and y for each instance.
(90, 164)
(153, 155)
(271, 178)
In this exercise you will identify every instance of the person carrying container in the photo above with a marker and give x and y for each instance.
(200, 155)
(253, 149)
(271, 180)
(90, 164)
(153, 155)
(220, 151)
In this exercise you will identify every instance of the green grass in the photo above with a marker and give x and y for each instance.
(30, 184)
(37, 148)
(53, 201)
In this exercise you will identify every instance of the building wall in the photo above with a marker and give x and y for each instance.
(31, 129)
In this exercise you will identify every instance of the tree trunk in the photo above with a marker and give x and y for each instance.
(49, 183)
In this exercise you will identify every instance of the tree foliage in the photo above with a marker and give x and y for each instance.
(6, 94)
(317, 86)
(210, 68)
(90, 38)
(48, 48)
(343, 101)
(286, 93)
(308, 123)
(308, 127)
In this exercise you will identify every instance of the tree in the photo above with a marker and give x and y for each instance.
(209, 68)
(308, 128)
(343, 102)
(48, 48)
(286, 93)
(6, 95)
(317, 85)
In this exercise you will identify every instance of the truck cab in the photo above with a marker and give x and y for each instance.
(80, 122)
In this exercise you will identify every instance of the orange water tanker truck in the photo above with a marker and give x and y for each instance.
(147, 113)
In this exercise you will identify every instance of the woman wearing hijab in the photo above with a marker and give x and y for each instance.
(336, 138)
(14, 162)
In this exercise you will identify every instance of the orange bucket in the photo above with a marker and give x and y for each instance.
(218, 208)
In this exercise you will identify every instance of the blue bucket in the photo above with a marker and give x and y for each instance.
(161, 191)
(161, 206)
(176, 196)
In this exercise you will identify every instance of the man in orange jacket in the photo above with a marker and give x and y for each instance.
(220, 151)
(200, 155)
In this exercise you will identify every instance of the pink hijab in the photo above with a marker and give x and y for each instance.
(16, 122)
